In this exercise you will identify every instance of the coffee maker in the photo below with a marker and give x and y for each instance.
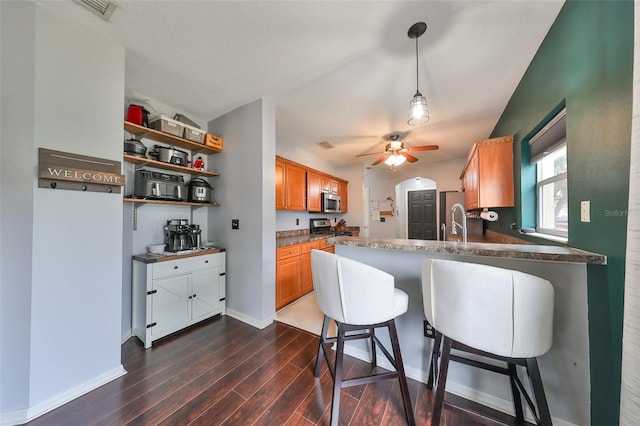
(179, 235)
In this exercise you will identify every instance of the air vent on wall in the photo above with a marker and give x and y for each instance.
(102, 8)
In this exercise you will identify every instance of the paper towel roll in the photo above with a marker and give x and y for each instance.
(489, 215)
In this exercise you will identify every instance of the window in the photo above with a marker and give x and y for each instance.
(549, 154)
(551, 189)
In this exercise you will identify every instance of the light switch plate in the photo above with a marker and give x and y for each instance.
(585, 211)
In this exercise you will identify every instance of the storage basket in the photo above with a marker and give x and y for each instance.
(167, 125)
(212, 141)
(194, 134)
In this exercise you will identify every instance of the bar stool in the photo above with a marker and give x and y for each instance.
(359, 298)
(497, 313)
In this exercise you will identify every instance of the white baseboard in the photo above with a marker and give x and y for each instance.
(249, 320)
(453, 387)
(19, 417)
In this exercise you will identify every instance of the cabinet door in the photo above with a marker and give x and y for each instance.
(325, 184)
(280, 186)
(295, 187)
(314, 190)
(205, 293)
(334, 186)
(306, 275)
(343, 193)
(470, 180)
(495, 173)
(170, 304)
(288, 286)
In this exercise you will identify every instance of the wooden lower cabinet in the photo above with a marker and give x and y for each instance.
(294, 277)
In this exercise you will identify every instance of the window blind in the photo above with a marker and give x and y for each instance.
(550, 137)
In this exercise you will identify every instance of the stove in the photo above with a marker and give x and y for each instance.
(323, 226)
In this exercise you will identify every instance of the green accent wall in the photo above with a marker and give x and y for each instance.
(586, 62)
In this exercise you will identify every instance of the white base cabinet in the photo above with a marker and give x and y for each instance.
(171, 295)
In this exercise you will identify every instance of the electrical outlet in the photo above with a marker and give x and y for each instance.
(235, 223)
(585, 211)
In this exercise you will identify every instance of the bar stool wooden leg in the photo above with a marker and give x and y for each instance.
(442, 380)
(321, 347)
(402, 378)
(538, 392)
(517, 401)
(374, 359)
(337, 378)
(435, 355)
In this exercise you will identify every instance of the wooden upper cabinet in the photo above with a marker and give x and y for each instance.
(300, 188)
(295, 187)
(314, 192)
(487, 177)
(291, 186)
(280, 185)
(343, 193)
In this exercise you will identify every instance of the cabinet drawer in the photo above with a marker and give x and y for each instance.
(307, 247)
(287, 251)
(184, 266)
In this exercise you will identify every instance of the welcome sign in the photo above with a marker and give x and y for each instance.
(63, 170)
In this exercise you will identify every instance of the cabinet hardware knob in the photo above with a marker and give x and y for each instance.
(194, 295)
(206, 261)
(175, 267)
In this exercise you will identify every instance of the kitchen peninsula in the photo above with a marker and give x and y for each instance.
(564, 369)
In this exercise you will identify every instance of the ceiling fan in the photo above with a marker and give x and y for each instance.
(396, 152)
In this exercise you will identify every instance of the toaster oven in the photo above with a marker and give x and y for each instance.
(158, 185)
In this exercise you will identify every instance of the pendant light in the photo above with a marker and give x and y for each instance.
(418, 112)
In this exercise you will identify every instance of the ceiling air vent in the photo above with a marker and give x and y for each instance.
(325, 145)
(102, 8)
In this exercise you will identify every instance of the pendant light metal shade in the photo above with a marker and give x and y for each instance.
(418, 111)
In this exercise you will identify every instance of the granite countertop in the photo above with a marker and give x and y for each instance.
(154, 258)
(299, 239)
(514, 251)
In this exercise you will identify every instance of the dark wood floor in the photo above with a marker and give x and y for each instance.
(224, 372)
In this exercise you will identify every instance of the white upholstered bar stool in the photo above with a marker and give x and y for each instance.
(359, 298)
(497, 313)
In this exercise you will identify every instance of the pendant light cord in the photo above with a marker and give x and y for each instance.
(417, 89)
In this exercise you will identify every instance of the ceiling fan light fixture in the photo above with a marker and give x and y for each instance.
(418, 112)
(395, 160)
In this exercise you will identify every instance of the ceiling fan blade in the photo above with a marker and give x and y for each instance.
(410, 158)
(381, 159)
(423, 148)
(370, 153)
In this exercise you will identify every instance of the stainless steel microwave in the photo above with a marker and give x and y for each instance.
(330, 203)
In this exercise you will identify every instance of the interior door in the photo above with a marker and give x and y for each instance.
(421, 208)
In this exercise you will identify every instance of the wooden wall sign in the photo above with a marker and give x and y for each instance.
(63, 170)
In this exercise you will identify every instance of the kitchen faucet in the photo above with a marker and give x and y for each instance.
(454, 224)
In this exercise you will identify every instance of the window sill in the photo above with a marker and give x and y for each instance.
(555, 238)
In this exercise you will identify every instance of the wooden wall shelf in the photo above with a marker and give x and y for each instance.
(176, 203)
(160, 165)
(163, 137)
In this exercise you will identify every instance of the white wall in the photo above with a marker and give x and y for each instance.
(74, 100)
(381, 182)
(17, 38)
(246, 192)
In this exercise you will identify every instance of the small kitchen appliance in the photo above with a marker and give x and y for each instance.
(135, 147)
(199, 191)
(331, 203)
(158, 185)
(169, 155)
(137, 114)
(323, 226)
(179, 235)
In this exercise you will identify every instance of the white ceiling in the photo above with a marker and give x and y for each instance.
(338, 71)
